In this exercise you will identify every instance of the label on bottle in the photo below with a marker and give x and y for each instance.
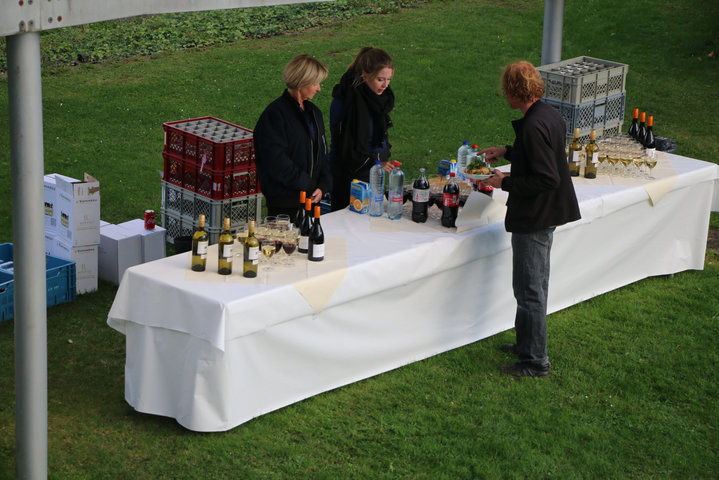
(253, 255)
(595, 158)
(227, 252)
(420, 195)
(450, 199)
(394, 198)
(574, 156)
(304, 242)
(318, 251)
(202, 249)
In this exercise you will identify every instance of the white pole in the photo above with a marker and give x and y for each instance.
(552, 33)
(26, 159)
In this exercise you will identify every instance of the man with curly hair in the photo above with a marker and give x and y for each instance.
(541, 197)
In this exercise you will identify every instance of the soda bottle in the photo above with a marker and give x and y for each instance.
(450, 202)
(376, 190)
(420, 198)
(396, 192)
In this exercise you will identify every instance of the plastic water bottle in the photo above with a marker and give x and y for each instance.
(376, 190)
(462, 156)
(396, 192)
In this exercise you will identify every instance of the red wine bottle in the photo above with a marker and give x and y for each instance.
(306, 228)
(316, 247)
(634, 128)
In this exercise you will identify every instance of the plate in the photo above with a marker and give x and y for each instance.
(473, 176)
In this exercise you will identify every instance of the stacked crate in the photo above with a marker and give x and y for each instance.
(589, 93)
(209, 168)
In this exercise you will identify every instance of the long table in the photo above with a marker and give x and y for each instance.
(214, 351)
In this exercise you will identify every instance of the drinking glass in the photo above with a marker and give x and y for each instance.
(651, 162)
(283, 221)
(289, 244)
(268, 250)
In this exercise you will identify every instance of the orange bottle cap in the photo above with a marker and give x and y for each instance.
(317, 211)
(643, 116)
(308, 204)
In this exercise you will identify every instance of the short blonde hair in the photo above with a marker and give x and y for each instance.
(303, 71)
(523, 81)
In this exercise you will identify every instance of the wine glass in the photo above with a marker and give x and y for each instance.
(283, 221)
(651, 162)
(268, 249)
(289, 244)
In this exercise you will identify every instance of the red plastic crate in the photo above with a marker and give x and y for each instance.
(173, 169)
(210, 142)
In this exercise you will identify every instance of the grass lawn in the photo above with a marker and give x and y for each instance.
(634, 391)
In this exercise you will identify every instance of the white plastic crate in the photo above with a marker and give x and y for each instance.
(602, 132)
(583, 79)
(181, 209)
(595, 114)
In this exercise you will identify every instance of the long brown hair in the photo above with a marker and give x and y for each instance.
(371, 61)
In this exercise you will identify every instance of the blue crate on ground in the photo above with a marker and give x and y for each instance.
(59, 281)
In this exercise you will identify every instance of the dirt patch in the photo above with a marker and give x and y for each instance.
(713, 239)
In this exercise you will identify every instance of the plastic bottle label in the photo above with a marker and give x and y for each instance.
(450, 199)
(394, 198)
(420, 195)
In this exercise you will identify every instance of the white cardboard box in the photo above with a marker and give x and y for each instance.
(50, 195)
(153, 241)
(85, 258)
(119, 249)
(78, 205)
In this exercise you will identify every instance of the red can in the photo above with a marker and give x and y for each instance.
(149, 219)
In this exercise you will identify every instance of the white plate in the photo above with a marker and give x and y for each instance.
(473, 176)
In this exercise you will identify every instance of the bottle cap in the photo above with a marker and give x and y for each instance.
(576, 133)
(397, 164)
(308, 204)
(303, 195)
(650, 122)
(636, 113)
(317, 211)
(642, 116)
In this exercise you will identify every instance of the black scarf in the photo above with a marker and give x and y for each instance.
(359, 103)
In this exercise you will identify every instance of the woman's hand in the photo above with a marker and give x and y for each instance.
(316, 196)
(493, 153)
(388, 166)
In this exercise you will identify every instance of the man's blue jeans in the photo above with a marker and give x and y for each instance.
(530, 281)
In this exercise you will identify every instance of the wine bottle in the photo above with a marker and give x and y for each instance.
(200, 241)
(450, 202)
(224, 249)
(575, 150)
(306, 227)
(300, 210)
(316, 246)
(650, 146)
(642, 127)
(634, 128)
(252, 252)
(420, 197)
(592, 154)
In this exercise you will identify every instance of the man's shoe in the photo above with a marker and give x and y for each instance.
(523, 369)
(509, 348)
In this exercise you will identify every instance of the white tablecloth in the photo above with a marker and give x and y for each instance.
(216, 352)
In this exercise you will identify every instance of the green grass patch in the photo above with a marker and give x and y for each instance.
(633, 392)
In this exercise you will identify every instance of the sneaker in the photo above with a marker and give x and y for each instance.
(523, 369)
(509, 348)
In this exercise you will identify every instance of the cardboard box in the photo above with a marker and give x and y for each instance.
(359, 196)
(119, 249)
(78, 205)
(153, 241)
(85, 258)
(49, 243)
(50, 196)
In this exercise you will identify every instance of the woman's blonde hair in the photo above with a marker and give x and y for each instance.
(522, 80)
(303, 71)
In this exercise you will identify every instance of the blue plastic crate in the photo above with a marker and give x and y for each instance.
(6, 296)
(60, 281)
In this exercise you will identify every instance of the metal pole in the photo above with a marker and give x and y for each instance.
(552, 34)
(26, 159)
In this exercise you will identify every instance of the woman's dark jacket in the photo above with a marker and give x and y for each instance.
(288, 160)
(541, 194)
